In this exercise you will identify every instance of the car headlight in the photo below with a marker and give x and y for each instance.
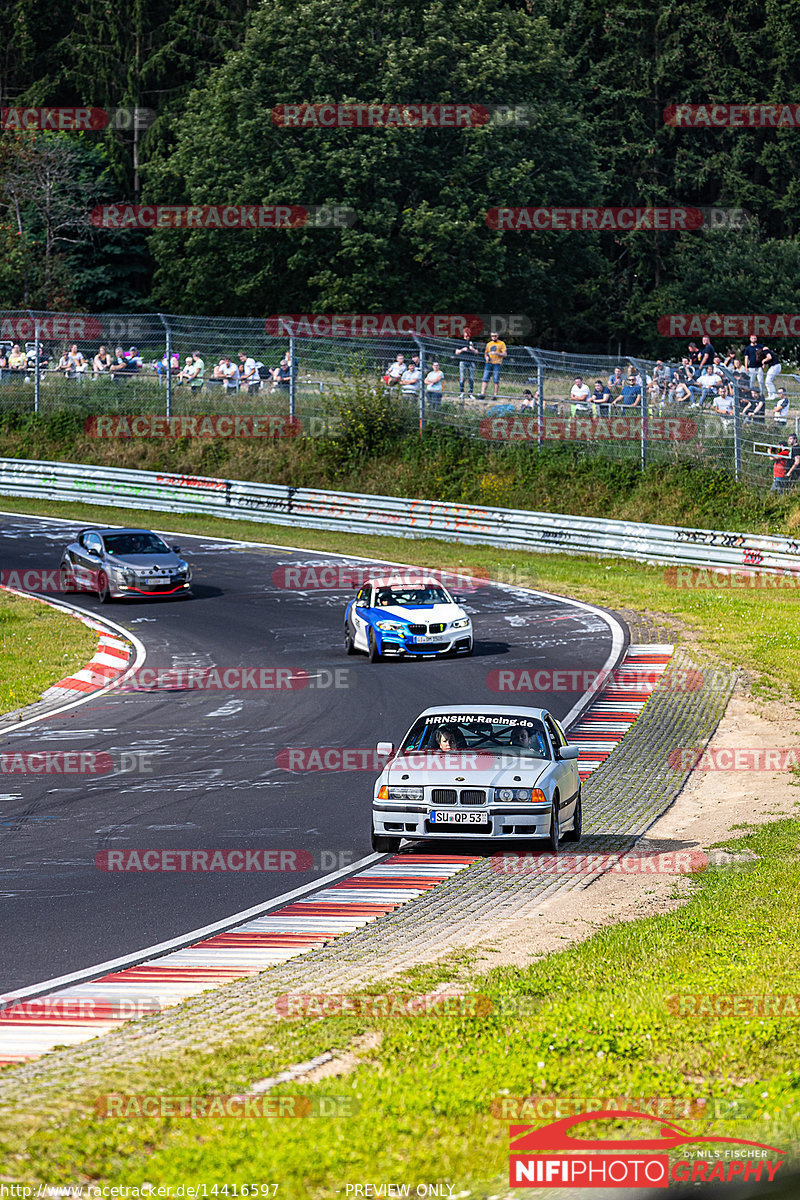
(405, 793)
(395, 625)
(534, 794)
(460, 624)
(122, 575)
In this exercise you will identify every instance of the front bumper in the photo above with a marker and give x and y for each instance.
(453, 643)
(502, 821)
(169, 587)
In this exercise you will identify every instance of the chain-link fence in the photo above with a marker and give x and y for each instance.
(129, 374)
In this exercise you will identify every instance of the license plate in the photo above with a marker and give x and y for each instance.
(155, 579)
(428, 641)
(459, 818)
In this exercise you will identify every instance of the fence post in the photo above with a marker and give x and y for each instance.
(540, 399)
(737, 431)
(292, 376)
(169, 364)
(645, 416)
(37, 373)
(421, 347)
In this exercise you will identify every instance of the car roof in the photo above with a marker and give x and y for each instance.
(401, 581)
(474, 710)
(114, 529)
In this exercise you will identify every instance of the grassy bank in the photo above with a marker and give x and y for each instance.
(38, 646)
(368, 456)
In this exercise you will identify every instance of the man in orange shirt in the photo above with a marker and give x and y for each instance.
(493, 356)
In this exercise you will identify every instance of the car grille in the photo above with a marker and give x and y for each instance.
(471, 797)
(444, 796)
(417, 629)
(436, 628)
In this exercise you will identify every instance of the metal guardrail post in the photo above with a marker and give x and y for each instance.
(164, 322)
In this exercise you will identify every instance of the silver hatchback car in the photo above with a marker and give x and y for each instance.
(119, 563)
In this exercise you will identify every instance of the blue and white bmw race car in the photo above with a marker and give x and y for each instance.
(391, 617)
(500, 773)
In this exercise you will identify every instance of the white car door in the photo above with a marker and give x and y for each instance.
(566, 772)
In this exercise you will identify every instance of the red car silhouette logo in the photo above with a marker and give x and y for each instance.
(527, 1139)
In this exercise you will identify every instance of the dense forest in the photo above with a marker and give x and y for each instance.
(205, 78)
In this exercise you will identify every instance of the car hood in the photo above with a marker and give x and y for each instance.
(420, 613)
(462, 770)
(156, 562)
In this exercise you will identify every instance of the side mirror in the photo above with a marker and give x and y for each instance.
(92, 551)
(386, 749)
(566, 753)
(176, 549)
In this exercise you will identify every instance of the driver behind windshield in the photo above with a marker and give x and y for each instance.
(451, 739)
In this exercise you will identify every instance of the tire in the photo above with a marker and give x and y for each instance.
(67, 580)
(349, 647)
(103, 591)
(574, 834)
(554, 837)
(383, 844)
(374, 656)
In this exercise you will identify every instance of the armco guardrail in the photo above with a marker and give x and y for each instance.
(349, 512)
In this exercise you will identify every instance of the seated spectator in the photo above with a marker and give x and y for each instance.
(709, 383)
(101, 363)
(201, 368)
(781, 409)
(133, 360)
(118, 366)
(160, 368)
(248, 372)
(4, 361)
(754, 409)
(77, 363)
(282, 374)
(530, 403)
(601, 397)
(409, 380)
(579, 393)
(723, 403)
(680, 393)
(17, 361)
(394, 373)
(231, 374)
(187, 371)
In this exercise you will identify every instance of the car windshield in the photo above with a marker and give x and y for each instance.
(431, 594)
(498, 734)
(123, 544)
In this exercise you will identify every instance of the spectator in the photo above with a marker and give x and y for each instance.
(530, 403)
(601, 397)
(709, 383)
(201, 366)
(793, 468)
(434, 386)
(3, 360)
(118, 366)
(580, 392)
(752, 362)
(681, 393)
(134, 360)
(394, 373)
(282, 374)
(493, 356)
(230, 373)
(693, 354)
(631, 394)
(219, 367)
(166, 363)
(187, 372)
(779, 457)
(661, 379)
(771, 363)
(781, 409)
(410, 378)
(248, 371)
(707, 353)
(723, 403)
(754, 409)
(101, 362)
(466, 356)
(616, 380)
(17, 361)
(77, 363)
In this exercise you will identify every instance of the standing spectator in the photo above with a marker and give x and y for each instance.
(793, 468)
(693, 354)
(434, 386)
(771, 362)
(201, 366)
(752, 363)
(282, 374)
(601, 397)
(661, 378)
(781, 409)
(230, 373)
(410, 378)
(616, 380)
(394, 373)
(101, 362)
(493, 356)
(779, 458)
(707, 353)
(723, 403)
(248, 371)
(579, 393)
(631, 394)
(466, 357)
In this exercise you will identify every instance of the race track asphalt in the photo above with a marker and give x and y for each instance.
(213, 779)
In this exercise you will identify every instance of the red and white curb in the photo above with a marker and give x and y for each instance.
(73, 1014)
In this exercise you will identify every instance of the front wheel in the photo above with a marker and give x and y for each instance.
(374, 655)
(103, 590)
(554, 837)
(349, 647)
(383, 844)
(574, 834)
(67, 580)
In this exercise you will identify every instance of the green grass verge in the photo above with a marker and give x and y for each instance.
(595, 1020)
(38, 646)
